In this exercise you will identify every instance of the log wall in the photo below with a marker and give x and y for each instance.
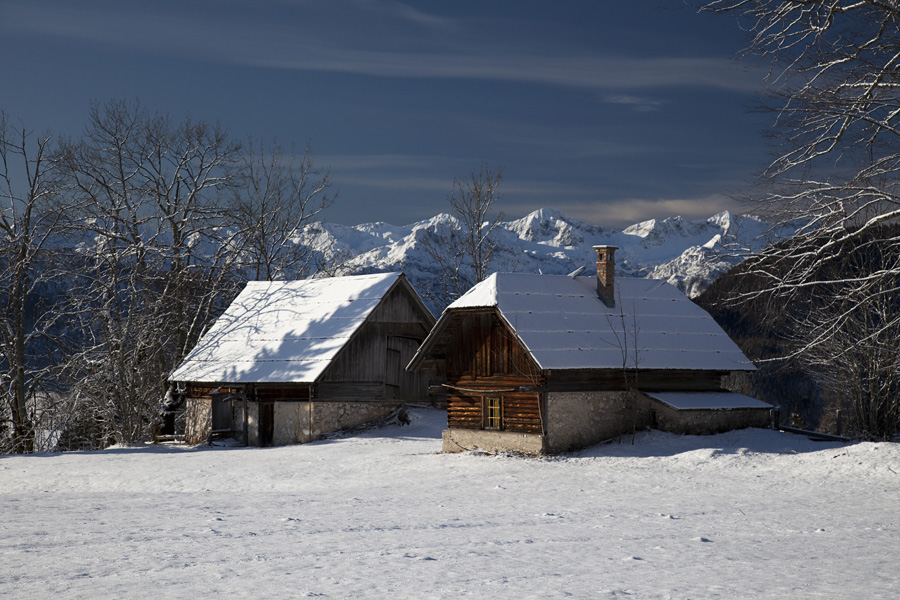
(485, 360)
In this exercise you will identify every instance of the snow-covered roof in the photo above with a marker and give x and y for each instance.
(565, 325)
(707, 400)
(284, 331)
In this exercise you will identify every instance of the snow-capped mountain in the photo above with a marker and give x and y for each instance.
(687, 253)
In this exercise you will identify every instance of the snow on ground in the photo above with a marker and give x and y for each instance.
(748, 514)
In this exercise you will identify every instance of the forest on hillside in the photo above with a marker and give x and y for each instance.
(828, 356)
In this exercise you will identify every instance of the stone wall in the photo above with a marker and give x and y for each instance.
(197, 419)
(708, 422)
(579, 419)
(291, 419)
(461, 440)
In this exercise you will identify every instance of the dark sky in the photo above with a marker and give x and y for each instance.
(613, 112)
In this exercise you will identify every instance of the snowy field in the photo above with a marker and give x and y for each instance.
(748, 514)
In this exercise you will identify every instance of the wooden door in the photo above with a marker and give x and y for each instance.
(393, 371)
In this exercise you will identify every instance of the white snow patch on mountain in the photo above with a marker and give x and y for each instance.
(690, 254)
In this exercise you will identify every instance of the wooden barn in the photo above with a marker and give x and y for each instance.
(546, 363)
(291, 360)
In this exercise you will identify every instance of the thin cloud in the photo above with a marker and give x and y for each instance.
(571, 142)
(638, 103)
(634, 210)
(406, 43)
(382, 161)
(619, 214)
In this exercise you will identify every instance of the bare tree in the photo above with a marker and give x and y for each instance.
(464, 248)
(856, 360)
(155, 262)
(858, 365)
(834, 85)
(29, 219)
(277, 197)
(472, 200)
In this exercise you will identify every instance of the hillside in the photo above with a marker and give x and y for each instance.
(747, 514)
(855, 371)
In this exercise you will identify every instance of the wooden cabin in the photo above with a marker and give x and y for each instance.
(547, 363)
(291, 360)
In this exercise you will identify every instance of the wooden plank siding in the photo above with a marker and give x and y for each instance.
(347, 391)
(484, 359)
(372, 365)
(482, 347)
(205, 391)
(297, 393)
(399, 307)
(603, 380)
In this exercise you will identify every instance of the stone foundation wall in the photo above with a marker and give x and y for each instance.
(580, 419)
(291, 419)
(197, 420)
(708, 422)
(461, 440)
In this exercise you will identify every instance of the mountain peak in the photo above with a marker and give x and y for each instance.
(687, 253)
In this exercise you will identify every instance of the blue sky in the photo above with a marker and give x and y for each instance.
(613, 112)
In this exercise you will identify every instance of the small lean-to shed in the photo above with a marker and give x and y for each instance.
(547, 363)
(291, 360)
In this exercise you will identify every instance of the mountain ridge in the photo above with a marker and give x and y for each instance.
(687, 253)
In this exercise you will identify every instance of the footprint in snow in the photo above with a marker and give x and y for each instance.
(703, 539)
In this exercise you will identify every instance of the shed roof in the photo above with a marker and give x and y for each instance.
(708, 400)
(564, 325)
(284, 331)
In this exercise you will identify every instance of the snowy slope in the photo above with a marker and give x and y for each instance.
(689, 254)
(747, 514)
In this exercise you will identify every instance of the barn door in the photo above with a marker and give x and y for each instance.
(266, 423)
(400, 351)
(392, 374)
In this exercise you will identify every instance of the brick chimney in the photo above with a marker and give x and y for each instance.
(606, 274)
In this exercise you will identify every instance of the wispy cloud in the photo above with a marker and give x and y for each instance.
(379, 162)
(430, 176)
(621, 213)
(387, 39)
(638, 103)
(572, 141)
(635, 210)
